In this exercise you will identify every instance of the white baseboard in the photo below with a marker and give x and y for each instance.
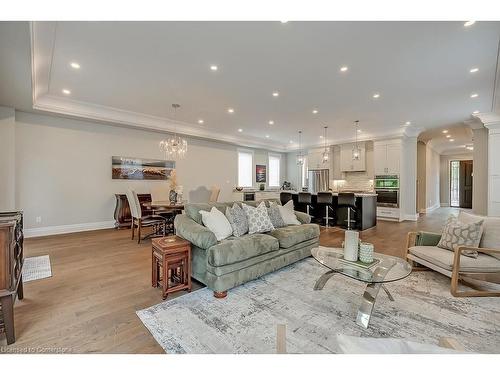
(410, 217)
(445, 205)
(70, 228)
(432, 208)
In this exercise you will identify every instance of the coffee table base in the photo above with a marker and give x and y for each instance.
(369, 297)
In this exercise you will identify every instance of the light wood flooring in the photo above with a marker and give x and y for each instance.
(101, 278)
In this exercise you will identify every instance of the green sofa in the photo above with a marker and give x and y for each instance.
(236, 260)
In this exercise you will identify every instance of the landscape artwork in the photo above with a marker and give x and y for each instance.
(127, 168)
(260, 173)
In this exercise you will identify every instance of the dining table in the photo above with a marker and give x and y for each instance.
(167, 210)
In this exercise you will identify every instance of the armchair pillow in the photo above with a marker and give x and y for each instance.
(288, 214)
(238, 220)
(457, 234)
(217, 222)
(258, 219)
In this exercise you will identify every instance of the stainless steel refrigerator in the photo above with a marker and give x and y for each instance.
(317, 180)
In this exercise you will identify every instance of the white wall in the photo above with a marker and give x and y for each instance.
(444, 175)
(480, 168)
(63, 168)
(421, 174)
(432, 179)
(7, 159)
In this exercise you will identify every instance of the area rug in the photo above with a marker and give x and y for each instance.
(245, 321)
(36, 268)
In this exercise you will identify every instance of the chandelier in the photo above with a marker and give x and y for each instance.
(175, 146)
(326, 153)
(356, 152)
(300, 157)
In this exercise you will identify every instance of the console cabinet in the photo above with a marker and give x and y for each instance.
(11, 266)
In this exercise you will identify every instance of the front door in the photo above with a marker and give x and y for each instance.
(465, 183)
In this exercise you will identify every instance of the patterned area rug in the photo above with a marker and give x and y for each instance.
(245, 321)
(36, 268)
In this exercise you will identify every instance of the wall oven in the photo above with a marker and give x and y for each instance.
(387, 189)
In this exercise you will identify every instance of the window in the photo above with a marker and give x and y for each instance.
(245, 169)
(274, 170)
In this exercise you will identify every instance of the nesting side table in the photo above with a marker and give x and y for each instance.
(171, 264)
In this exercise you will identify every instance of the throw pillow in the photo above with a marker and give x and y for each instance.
(288, 214)
(274, 214)
(457, 234)
(238, 220)
(217, 222)
(258, 219)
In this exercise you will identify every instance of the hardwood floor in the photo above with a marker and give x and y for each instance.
(101, 278)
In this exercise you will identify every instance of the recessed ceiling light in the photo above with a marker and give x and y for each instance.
(200, 121)
(474, 95)
(407, 123)
(271, 122)
(315, 111)
(230, 110)
(267, 135)
(214, 67)
(75, 65)
(291, 141)
(448, 136)
(475, 112)
(376, 96)
(66, 92)
(474, 70)
(321, 136)
(360, 131)
(276, 94)
(469, 23)
(240, 130)
(445, 131)
(451, 140)
(344, 69)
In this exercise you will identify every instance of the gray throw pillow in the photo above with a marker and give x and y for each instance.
(274, 214)
(238, 220)
(258, 219)
(457, 234)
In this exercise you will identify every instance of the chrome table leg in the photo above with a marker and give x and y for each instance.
(388, 293)
(366, 308)
(323, 279)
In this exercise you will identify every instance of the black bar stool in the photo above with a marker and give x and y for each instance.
(305, 198)
(326, 199)
(348, 200)
(285, 197)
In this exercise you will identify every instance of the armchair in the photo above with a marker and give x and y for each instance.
(422, 252)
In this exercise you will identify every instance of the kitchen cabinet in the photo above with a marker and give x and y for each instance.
(387, 156)
(346, 162)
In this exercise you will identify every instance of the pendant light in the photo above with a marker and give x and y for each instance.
(326, 153)
(300, 157)
(175, 147)
(356, 152)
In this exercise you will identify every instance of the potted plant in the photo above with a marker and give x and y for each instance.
(262, 187)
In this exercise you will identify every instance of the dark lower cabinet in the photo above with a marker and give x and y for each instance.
(11, 266)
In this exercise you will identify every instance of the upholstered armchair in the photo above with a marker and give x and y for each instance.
(422, 252)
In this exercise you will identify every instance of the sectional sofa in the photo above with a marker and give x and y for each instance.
(236, 260)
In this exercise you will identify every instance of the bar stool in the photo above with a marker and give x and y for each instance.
(348, 200)
(285, 197)
(326, 199)
(305, 198)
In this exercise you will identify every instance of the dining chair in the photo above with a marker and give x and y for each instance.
(140, 221)
(214, 193)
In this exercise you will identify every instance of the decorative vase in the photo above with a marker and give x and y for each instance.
(172, 196)
(262, 187)
(366, 252)
(351, 244)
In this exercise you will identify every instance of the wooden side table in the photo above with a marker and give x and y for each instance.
(171, 264)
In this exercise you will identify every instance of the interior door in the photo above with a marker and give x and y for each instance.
(465, 185)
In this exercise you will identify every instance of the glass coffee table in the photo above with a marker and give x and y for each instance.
(388, 269)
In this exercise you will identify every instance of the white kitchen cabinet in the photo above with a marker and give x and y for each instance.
(387, 156)
(346, 162)
(388, 213)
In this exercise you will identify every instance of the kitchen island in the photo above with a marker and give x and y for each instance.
(366, 210)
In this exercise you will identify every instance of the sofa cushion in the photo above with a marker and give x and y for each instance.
(294, 234)
(233, 250)
(193, 209)
(217, 222)
(491, 229)
(444, 258)
(274, 214)
(238, 220)
(258, 219)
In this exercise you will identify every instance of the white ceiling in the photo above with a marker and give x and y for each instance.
(138, 69)
(461, 136)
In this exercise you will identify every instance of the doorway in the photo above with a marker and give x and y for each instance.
(461, 174)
